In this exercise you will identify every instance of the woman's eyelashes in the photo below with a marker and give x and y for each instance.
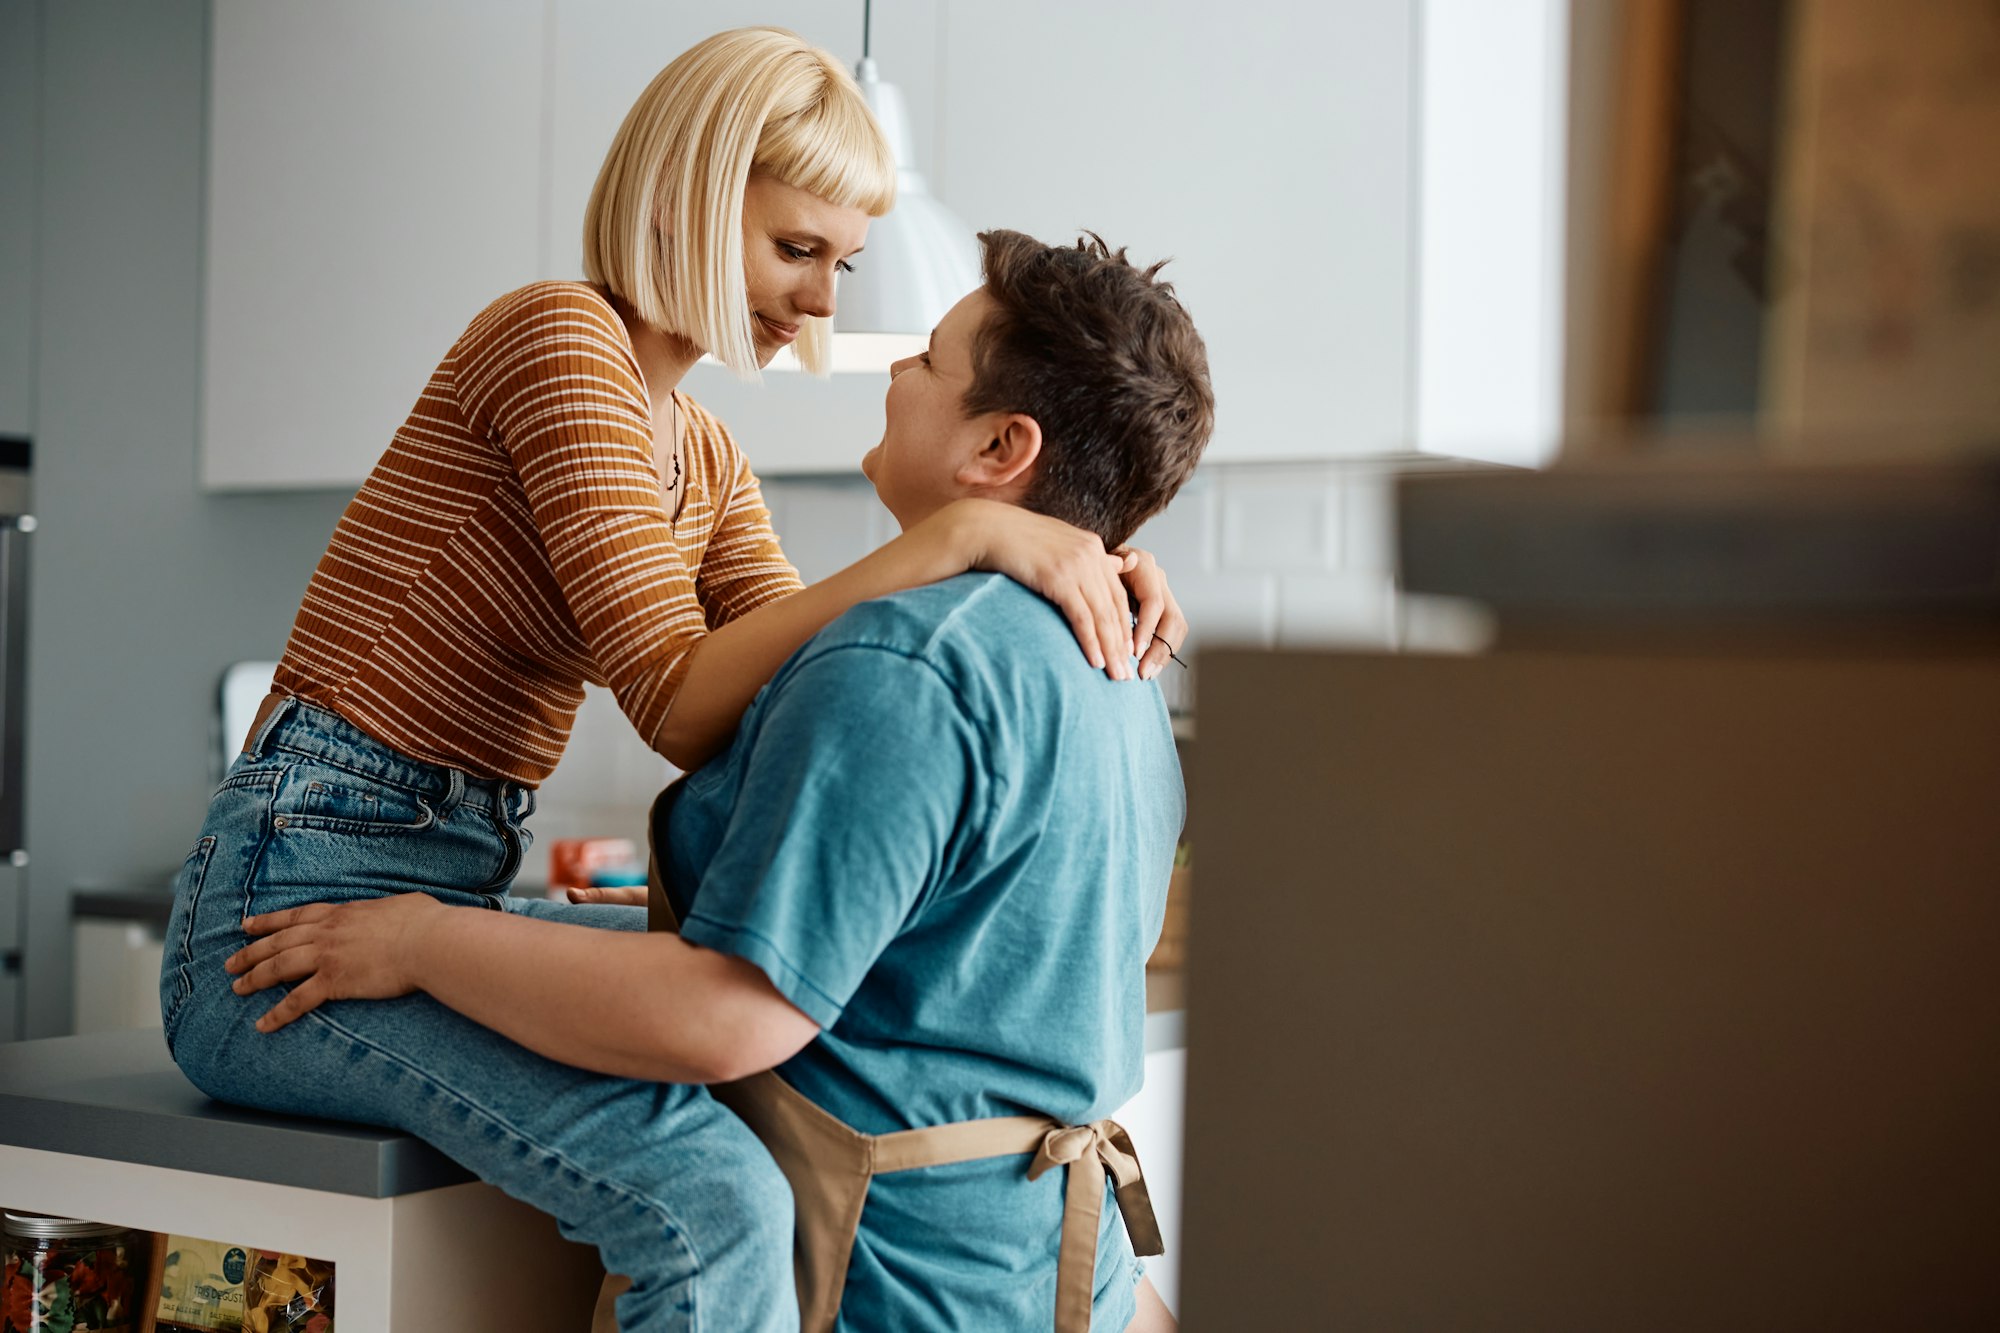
(799, 254)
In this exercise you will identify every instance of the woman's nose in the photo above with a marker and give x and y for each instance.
(816, 295)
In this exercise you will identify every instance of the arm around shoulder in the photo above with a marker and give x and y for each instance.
(736, 660)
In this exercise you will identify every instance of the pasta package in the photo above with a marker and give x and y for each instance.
(201, 1285)
(287, 1293)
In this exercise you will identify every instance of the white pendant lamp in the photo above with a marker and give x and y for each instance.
(920, 259)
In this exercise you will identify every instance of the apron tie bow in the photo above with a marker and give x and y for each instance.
(1075, 1147)
(1068, 1143)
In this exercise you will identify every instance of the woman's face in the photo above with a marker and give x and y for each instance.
(795, 245)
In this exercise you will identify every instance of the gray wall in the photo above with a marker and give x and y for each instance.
(19, 113)
(144, 587)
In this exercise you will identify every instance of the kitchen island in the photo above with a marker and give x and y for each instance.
(106, 1127)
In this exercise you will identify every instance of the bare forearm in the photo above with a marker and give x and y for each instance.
(646, 1006)
(734, 662)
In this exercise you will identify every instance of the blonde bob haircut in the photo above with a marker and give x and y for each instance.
(664, 229)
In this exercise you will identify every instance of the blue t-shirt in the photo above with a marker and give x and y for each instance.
(947, 839)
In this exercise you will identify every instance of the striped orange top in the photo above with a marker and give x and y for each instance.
(513, 544)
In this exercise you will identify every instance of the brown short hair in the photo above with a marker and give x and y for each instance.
(1102, 356)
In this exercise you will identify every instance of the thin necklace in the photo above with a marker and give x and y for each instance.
(674, 451)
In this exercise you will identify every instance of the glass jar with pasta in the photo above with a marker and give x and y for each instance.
(65, 1276)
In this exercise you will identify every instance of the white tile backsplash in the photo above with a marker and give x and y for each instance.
(1297, 555)
(1184, 537)
(1343, 610)
(1236, 609)
(1279, 520)
(1368, 522)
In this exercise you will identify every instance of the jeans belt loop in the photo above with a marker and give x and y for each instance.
(454, 792)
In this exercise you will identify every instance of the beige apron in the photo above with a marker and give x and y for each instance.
(830, 1166)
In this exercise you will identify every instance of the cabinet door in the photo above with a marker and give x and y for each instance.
(375, 178)
(1268, 147)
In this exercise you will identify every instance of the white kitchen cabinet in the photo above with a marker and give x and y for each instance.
(1366, 242)
(374, 179)
(1268, 147)
(1364, 197)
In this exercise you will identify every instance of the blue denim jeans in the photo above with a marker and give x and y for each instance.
(673, 1190)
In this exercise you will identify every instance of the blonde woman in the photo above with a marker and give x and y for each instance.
(556, 512)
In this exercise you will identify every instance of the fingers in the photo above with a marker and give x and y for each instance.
(618, 895)
(255, 952)
(1071, 568)
(1145, 636)
(1148, 587)
(1114, 619)
(301, 1001)
(1100, 617)
(270, 922)
(287, 956)
(1077, 611)
(1168, 639)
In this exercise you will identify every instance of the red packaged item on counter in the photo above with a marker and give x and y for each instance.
(577, 863)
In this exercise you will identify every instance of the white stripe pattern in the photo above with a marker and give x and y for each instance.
(513, 543)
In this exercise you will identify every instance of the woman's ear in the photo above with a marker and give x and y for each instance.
(1009, 455)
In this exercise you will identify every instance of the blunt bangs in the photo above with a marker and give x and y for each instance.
(664, 228)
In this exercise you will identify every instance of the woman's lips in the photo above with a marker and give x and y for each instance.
(784, 333)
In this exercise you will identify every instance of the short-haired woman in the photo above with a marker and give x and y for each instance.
(555, 512)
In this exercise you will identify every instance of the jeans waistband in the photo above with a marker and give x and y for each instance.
(293, 725)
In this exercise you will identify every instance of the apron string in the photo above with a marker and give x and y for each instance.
(1104, 1142)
